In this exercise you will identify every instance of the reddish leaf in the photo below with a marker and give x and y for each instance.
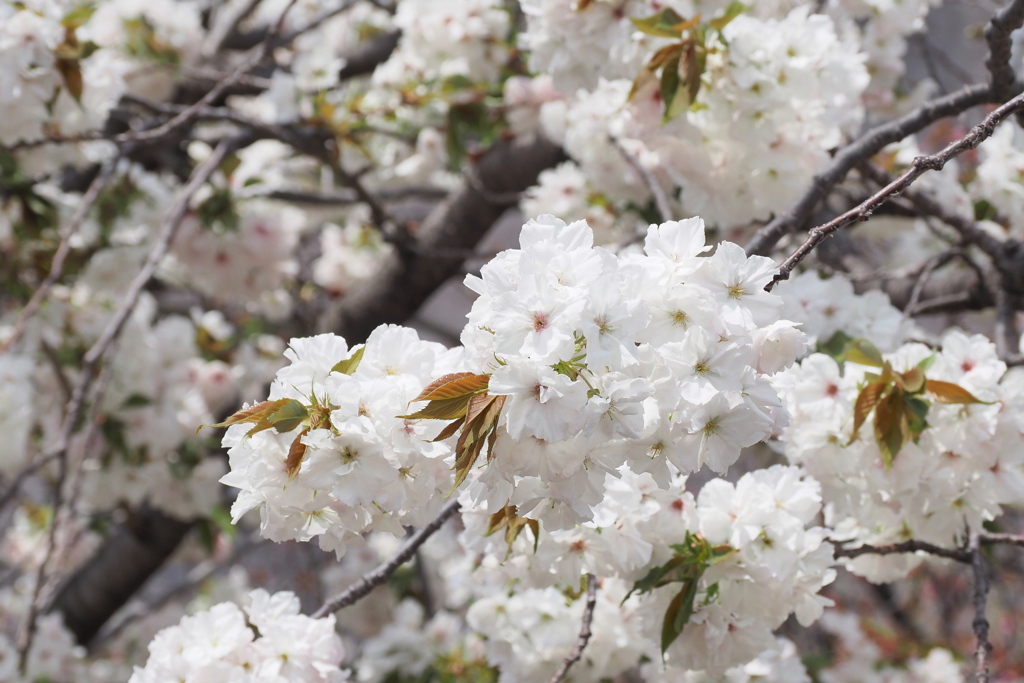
(449, 430)
(295, 455)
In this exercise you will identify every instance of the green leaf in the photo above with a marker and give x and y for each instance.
(137, 401)
(350, 364)
(221, 517)
(891, 426)
(733, 10)
(926, 363)
(670, 88)
(678, 614)
(917, 412)
(78, 15)
(836, 345)
(661, 25)
(863, 352)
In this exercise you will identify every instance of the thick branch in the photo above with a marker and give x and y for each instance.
(1004, 80)
(130, 555)
(368, 55)
(407, 277)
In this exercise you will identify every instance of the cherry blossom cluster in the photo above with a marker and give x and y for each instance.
(363, 467)
(762, 525)
(650, 359)
(55, 79)
(268, 640)
(780, 89)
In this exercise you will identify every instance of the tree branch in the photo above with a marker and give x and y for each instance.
(798, 213)
(920, 165)
(406, 278)
(980, 623)
(912, 546)
(362, 588)
(584, 637)
(998, 33)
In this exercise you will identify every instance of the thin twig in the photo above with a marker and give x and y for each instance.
(59, 257)
(918, 167)
(905, 547)
(655, 188)
(192, 111)
(362, 588)
(866, 146)
(314, 23)
(584, 637)
(980, 623)
(94, 357)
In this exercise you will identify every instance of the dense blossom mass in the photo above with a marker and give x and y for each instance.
(640, 451)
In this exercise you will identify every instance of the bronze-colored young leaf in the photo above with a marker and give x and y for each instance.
(691, 68)
(892, 430)
(455, 385)
(476, 433)
(71, 73)
(947, 392)
(913, 380)
(449, 430)
(867, 399)
(508, 519)
(446, 409)
(678, 614)
(350, 364)
(645, 76)
(296, 453)
(284, 415)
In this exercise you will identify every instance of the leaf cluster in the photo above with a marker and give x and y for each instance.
(462, 398)
(679, 66)
(691, 559)
(899, 400)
